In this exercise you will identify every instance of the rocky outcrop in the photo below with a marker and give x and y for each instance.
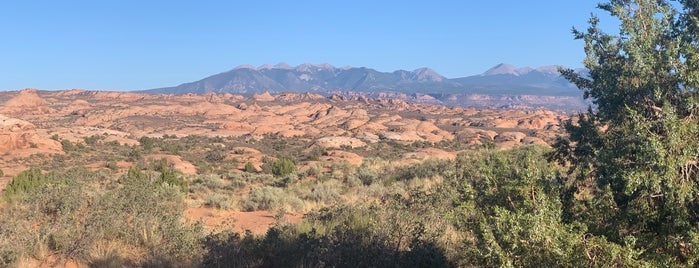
(26, 102)
(17, 134)
(339, 142)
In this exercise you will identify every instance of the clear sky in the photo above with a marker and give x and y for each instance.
(133, 45)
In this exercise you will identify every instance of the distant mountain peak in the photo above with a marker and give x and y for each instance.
(283, 65)
(549, 69)
(427, 74)
(307, 67)
(502, 68)
(508, 69)
(245, 66)
(325, 78)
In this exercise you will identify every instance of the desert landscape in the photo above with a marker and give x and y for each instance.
(385, 141)
(36, 125)
(35, 122)
(228, 151)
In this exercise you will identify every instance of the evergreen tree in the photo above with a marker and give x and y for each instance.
(634, 155)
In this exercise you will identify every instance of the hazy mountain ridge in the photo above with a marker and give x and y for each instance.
(503, 80)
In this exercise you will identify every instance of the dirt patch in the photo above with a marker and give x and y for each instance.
(258, 222)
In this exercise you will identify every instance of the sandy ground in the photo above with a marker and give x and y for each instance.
(258, 222)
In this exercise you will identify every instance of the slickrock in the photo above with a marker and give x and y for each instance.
(339, 142)
(19, 135)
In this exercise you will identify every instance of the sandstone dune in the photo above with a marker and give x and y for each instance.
(19, 137)
(333, 122)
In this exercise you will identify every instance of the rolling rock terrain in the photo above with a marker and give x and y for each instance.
(34, 121)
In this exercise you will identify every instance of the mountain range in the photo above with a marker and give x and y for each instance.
(499, 82)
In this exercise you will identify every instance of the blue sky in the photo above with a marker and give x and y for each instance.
(132, 45)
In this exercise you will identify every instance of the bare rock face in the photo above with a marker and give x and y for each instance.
(338, 142)
(17, 134)
(263, 97)
(338, 121)
(26, 102)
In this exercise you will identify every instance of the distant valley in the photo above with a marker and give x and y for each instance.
(502, 86)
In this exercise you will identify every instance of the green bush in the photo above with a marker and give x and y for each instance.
(366, 175)
(326, 192)
(283, 167)
(264, 198)
(67, 146)
(216, 155)
(250, 168)
(147, 143)
(27, 181)
(217, 200)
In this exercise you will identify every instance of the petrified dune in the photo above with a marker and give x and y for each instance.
(17, 135)
(334, 121)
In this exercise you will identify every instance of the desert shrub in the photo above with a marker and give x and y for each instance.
(48, 218)
(425, 170)
(168, 174)
(326, 192)
(316, 153)
(353, 181)
(92, 140)
(270, 199)
(211, 181)
(112, 165)
(173, 178)
(264, 198)
(147, 143)
(314, 170)
(509, 203)
(217, 200)
(67, 215)
(341, 170)
(2, 173)
(27, 181)
(218, 250)
(385, 235)
(279, 145)
(240, 179)
(286, 180)
(155, 221)
(282, 167)
(134, 154)
(68, 146)
(366, 175)
(215, 155)
(249, 167)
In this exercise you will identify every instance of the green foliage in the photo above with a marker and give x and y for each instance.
(217, 200)
(70, 147)
(147, 143)
(68, 218)
(168, 175)
(215, 155)
(282, 167)
(250, 168)
(265, 198)
(27, 181)
(390, 235)
(633, 159)
(366, 174)
(2, 173)
(92, 140)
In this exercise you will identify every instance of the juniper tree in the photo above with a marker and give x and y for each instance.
(633, 156)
